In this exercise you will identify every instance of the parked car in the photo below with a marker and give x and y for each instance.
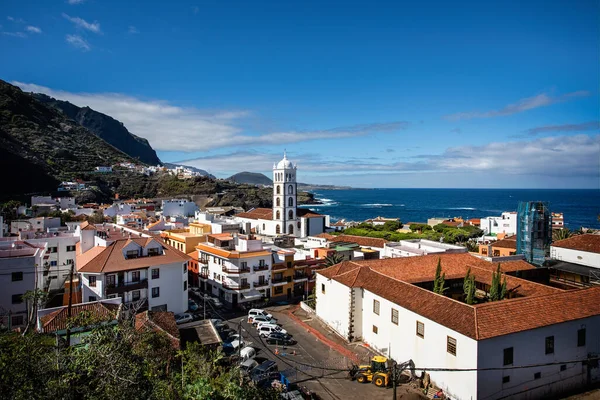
(192, 306)
(248, 365)
(261, 323)
(216, 302)
(281, 338)
(183, 318)
(262, 318)
(247, 353)
(233, 342)
(264, 372)
(255, 312)
(266, 329)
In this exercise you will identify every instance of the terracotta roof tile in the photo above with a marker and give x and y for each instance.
(361, 240)
(306, 213)
(325, 236)
(390, 278)
(57, 320)
(505, 244)
(586, 242)
(257, 213)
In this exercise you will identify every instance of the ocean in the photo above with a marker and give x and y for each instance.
(580, 207)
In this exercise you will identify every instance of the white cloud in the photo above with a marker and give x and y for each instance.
(15, 34)
(541, 100)
(33, 29)
(172, 128)
(83, 24)
(585, 126)
(72, 2)
(133, 30)
(10, 18)
(78, 42)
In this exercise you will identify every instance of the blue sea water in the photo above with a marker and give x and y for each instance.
(580, 207)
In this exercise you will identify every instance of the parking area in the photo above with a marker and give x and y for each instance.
(310, 362)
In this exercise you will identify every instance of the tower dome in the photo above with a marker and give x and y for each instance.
(284, 163)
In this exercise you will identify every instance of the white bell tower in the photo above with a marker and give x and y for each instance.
(285, 198)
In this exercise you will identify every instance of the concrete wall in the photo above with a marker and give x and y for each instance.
(529, 348)
(8, 288)
(576, 256)
(332, 304)
(171, 284)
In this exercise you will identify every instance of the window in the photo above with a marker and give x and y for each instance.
(563, 367)
(290, 228)
(153, 251)
(52, 249)
(581, 337)
(110, 280)
(69, 261)
(17, 298)
(508, 356)
(264, 227)
(375, 329)
(92, 298)
(290, 189)
(290, 214)
(135, 276)
(451, 345)
(17, 276)
(184, 286)
(70, 248)
(298, 225)
(550, 345)
(135, 295)
(155, 273)
(420, 329)
(244, 265)
(185, 268)
(537, 375)
(277, 227)
(376, 306)
(53, 263)
(132, 253)
(394, 316)
(278, 189)
(323, 288)
(278, 202)
(155, 292)
(278, 290)
(505, 379)
(291, 202)
(92, 280)
(17, 320)
(277, 216)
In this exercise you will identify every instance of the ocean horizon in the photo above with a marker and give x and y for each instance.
(580, 207)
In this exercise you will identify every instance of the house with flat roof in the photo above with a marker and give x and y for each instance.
(576, 260)
(535, 342)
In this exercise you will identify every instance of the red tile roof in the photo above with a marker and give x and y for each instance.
(391, 279)
(361, 240)
(111, 258)
(57, 320)
(586, 242)
(159, 321)
(325, 236)
(257, 213)
(306, 213)
(507, 243)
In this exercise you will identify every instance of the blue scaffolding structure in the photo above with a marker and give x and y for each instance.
(534, 231)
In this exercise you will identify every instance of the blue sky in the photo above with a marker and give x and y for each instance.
(384, 94)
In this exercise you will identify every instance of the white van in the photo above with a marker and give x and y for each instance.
(266, 329)
(257, 311)
(247, 353)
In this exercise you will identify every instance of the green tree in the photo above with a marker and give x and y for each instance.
(469, 287)
(392, 226)
(439, 280)
(333, 259)
(498, 289)
(561, 234)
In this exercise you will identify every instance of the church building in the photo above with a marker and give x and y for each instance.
(284, 218)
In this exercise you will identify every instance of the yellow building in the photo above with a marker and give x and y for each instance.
(187, 239)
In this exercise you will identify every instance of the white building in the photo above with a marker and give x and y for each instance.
(390, 305)
(506, 223)
(182, 208)
(139, 269)
(284, 218)
(117, 209)
(576, 260)
(237, 269)
(418, 247)
(20, 271)
(103, 169)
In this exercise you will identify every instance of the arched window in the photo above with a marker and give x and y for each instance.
(291, 202)
(290, 189)
(278, 189)
(278, 202)
(290, 214)
(277, 214)
(277, 229)
(291, 229)
(298, 224)
(264, 227)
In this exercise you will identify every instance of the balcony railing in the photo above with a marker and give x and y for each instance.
(203, 275)
(300, 276)
(261, 267)
(283, 279)
(236, 286)
(261, 284)
(236, 270)
(122, 287)
(203, 262)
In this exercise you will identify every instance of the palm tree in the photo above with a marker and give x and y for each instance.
(333, 259)
(560, 234)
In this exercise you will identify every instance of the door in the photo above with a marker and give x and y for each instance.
(289, 293)
(234, 300)
(120, 278)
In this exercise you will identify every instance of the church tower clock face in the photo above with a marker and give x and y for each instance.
(285, 197)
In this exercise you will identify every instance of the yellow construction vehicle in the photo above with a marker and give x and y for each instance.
(378, 372)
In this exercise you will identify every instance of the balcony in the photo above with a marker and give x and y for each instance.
(261, 268)
(300, 277)
(281, 281)
(261, 284)
(203, 262)
(236, 286)
(123, 287)
(236, 270)
(203, 275)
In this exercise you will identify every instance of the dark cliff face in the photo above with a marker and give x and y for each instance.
(39, 146)
(105, 127)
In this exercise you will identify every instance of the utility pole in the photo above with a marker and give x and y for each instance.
(70, 306)
(394, 380)
(240, 340)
